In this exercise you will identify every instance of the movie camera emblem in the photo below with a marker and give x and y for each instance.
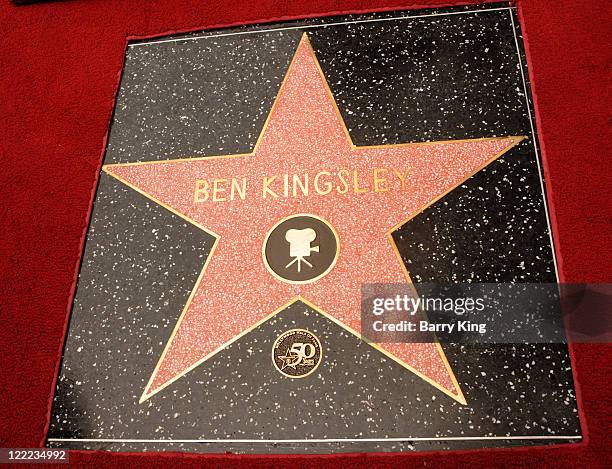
(301, 248)
(297, 353)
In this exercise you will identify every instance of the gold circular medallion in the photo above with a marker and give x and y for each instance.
(301, 248)
(297, 353)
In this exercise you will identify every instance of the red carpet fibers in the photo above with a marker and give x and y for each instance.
(59, 68)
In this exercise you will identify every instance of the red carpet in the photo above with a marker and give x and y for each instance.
(59, 66)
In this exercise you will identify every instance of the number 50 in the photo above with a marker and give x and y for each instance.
(303, 350)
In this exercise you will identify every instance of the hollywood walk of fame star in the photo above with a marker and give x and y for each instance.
(304, 133)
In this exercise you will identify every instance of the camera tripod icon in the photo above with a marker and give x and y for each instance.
(300, 249)
(300, 246)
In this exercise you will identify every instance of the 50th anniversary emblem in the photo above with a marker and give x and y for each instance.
(297, 353)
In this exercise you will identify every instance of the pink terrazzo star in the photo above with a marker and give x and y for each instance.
(304, 134)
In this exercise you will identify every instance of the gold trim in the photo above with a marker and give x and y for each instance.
(304, 40)
(314, 279)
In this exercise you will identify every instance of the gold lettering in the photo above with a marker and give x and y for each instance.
(235, 187)
(327, 184)
(356, 188)
(379, 180)
(217, 190)
(267, 180)
(201, 191)
(296, 185)
(343, 174)
(403, 176)
(303, 185)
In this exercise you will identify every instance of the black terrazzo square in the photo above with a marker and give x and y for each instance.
(428, 75)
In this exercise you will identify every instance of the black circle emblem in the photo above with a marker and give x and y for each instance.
(300, 249)
(297, 353)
